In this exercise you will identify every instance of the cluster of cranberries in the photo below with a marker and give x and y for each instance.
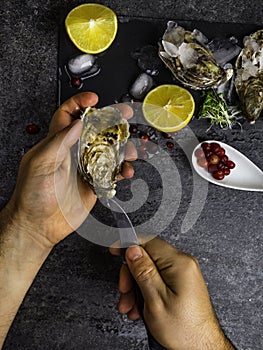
(213, 157)
(147, 142)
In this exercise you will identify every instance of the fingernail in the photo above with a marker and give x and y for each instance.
(134, 253)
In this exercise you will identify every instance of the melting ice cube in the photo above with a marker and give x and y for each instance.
(141, 86)
(82, 64)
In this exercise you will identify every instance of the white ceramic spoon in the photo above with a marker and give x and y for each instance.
(245, 176)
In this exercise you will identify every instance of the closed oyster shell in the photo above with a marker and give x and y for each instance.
(249, 77)
(101, 148)
(189, 59)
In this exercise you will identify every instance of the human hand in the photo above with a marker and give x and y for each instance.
(177, 308)
(48, 202)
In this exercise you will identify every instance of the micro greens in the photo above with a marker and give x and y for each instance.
(217, 111)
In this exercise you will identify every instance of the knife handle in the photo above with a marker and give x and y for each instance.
(152, 343)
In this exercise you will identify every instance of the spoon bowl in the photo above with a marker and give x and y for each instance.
(245, 176)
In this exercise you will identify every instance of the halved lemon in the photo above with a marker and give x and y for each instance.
(168, 107)
(91, 27)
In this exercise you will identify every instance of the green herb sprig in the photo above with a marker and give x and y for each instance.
(217, 111)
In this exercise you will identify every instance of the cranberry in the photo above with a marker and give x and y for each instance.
(220, 152)
(219, 175)
(199, 153)
(32, 129)
(133, 129)
(145, 138)
(142, 148)
(215, 147)
(202, 162)
(227, 171)
(213, 159)
(230, 164)
(212, 168)
(224, 159)
(76, 82)
(220, 166)
(208, 154)
(170, 144)
(206, 146)
(151, 147)
(166, 136)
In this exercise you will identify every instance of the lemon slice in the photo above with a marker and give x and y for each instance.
(91, 27)
(168, 108)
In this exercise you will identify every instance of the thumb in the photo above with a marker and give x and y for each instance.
(145, 273)
(55, 149)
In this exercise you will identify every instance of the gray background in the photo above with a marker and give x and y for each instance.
(72, 302)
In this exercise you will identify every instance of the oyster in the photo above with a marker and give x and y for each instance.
(185, 53)
(249, 77)
(101, 148)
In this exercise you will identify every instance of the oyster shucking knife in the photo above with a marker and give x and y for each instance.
(128, 237)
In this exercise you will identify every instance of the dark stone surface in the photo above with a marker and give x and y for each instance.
(72, 302)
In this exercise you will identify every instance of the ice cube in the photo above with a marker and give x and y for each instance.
(148, 60)
(200, 36)
(81, 64)
(141, 86)
(223, 49)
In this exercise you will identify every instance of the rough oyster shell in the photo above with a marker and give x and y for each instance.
(189, 59)
(249, 78)
(101, 148)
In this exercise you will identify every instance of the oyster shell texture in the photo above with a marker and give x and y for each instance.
(249, 77)
(185, 53)
(101, 148)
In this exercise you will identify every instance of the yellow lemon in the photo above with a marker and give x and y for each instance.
(91, 27)
(168, 107)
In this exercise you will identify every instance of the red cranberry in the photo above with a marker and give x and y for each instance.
(133, 129)
(199, 153)
(208, 154)
(206, 146)
(32, 129)
(224, 159)
(219, 175)
(220, 152)
(230, 164)
(170, 144)
(213, 159)
(202, 162)
(142, 148)
(215, 147)
(212, 168)
(226, 171)
(75, 82)
(145, 138)
(220, 166)
(166, 136)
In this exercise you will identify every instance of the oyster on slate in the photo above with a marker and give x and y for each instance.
(101, 148)
(185, 53)
(249, 77)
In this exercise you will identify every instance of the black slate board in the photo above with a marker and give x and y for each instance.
(119, 69)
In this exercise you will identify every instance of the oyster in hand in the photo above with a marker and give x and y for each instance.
(102, 148)
(185, 53)
(249, 77)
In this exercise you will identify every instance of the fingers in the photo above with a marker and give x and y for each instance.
(130, 152)
(127, 303)
(126, 110)
(71, 109)
(179, 271)
(52, 151)
(145, 273)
